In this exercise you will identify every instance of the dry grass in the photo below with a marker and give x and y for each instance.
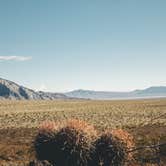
(103, 114)
(19, 121)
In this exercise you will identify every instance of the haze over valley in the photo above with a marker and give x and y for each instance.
(11, 90)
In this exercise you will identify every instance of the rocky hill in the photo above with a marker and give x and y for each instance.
(11, 90)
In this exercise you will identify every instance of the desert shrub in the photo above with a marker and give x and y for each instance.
(44, 146)
(49, 126)
(45, 141)
(162, 147)
(162, 150)
(109, 151)
(124, 136)
(67, 145)
(40, 163)
(74, 142)
(127, 139)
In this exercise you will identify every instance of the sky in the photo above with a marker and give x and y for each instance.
(62, 45)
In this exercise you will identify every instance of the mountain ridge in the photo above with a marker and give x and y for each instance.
(151, 92)
(12, 90)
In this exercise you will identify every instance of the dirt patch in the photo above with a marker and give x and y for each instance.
(16, 145)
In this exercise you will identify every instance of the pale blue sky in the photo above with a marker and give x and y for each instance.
(61, 45)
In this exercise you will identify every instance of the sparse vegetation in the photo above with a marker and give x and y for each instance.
(19, 121)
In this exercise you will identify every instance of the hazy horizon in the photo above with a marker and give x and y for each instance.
(59, 46)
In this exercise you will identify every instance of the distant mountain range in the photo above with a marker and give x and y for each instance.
(152, 92)
(11, 90)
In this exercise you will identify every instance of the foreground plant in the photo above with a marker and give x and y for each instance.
(126, 138)
(45, 141)
(109, 151)
(40, 163)
(74, 142)
(69, 144)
